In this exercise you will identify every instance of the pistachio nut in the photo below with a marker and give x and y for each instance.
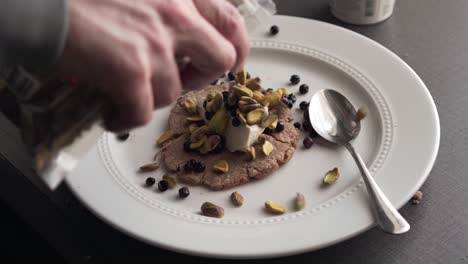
(272, 99)
(271, 121)
(253, 84)
(255, 116)
(199, 133)
(219, 121)
(197, 144)
(190, 105)
(247, 100)
(215, 103)
(237, 199)
(171, 180)
(267, 147)
(361, 113)
(166, 136)
(242, 90)
(194, 118)
(299, 201)
(250, 107)
(274, 208)
(282, 91)
(210, 144)
(252, 153)
(221, 166)
(241, 76)
(212, 210)
(331, 176)
(258, 96)
(150, 167)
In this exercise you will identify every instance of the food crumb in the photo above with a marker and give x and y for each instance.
(417, 198)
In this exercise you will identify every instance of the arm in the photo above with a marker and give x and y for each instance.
(32, 32)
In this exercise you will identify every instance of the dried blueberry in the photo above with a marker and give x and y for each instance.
(236, 122)
(297, 125)
(225, 95)
(267, 131)
(205, 103)
(279, 127)
(199, 167)
(274, 30)
(292, 98)
(308, 142)
(209, 115)
(220, 147)
(290, 104)
(200, 123)
(233, 112)
(184, 192)
(163, 185)
(306, 125)
(150, 181)
(304, 88)
(303, 105)
(231, 76)
(285, 100)
(295, 79)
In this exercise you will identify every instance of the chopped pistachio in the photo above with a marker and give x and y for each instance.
(197, 144)
(212, 210)
(150, 167)
(166, 136)
(252, 153)
(195, 118)
(242, 90)
(299, 202)
(237, 199)
(219, 121)
(275, 208)
(221, 166)
(270, 121)
(255, 116)
(241, 76)
(190, 105)
(331, 176)
(361, 113)
(267, 147)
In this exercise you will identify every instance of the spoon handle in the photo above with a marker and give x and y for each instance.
(387, 215)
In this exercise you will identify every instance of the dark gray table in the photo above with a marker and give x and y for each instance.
(430, 35)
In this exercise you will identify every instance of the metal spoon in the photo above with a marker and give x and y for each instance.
(334, 118)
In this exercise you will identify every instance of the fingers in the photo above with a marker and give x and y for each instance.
(227, 20)
(165, 81)
(131, 106)
(210, 54)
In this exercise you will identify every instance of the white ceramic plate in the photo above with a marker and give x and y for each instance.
(399, 142)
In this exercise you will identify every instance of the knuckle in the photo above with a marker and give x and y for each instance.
(177, 15)
(232, 19)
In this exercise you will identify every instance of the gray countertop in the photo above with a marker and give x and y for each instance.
(431, 36)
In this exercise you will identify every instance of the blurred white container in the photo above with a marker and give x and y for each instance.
(362, 12)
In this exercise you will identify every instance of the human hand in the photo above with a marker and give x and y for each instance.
(129, 50)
